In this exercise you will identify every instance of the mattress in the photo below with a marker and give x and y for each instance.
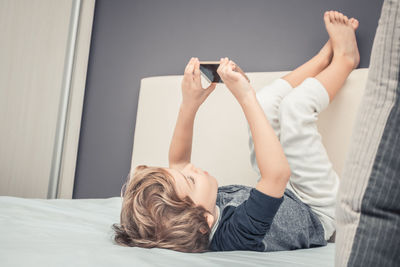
(77, 232)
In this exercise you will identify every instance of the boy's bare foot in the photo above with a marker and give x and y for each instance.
(341, 31)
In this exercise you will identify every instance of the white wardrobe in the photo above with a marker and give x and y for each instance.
(44, 50)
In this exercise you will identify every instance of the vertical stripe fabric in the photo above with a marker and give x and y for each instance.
(368, 206)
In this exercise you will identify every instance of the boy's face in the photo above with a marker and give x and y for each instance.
(199, 185)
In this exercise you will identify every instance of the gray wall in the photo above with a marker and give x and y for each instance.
(135, 39)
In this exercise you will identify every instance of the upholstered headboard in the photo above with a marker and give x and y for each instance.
(220, 140)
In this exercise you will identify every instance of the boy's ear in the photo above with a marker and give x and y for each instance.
(209, 218)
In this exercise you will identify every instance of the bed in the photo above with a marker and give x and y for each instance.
(65, 232)
(60, 232)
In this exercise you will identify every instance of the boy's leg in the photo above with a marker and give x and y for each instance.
(313, 179)
(271, 95)
(312, 67)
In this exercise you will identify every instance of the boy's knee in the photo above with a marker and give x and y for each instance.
(294, 104)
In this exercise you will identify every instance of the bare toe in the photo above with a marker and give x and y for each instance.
(327, 18)
(337, 17)
(341, 17)
(354, 23)
(332, 16)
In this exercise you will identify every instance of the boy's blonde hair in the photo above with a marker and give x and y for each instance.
(153, 215)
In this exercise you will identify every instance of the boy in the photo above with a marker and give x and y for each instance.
(182, 208)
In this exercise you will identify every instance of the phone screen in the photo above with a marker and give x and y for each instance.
(209, 70)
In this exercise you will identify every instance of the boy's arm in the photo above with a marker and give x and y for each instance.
(193, 95)
(271, 160)
(180, 149)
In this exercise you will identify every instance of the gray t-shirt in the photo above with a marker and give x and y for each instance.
(289, 223)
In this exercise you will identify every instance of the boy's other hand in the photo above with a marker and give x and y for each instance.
(236, 82)
(193, 94)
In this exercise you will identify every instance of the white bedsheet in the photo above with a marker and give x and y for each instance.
(60, 232)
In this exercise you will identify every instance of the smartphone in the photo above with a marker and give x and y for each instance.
(209, 70)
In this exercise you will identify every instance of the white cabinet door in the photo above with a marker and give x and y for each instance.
(40, 95)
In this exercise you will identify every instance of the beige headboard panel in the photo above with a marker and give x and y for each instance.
(220, 141)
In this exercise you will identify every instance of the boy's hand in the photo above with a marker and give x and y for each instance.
(193, 94)
(236, 82)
